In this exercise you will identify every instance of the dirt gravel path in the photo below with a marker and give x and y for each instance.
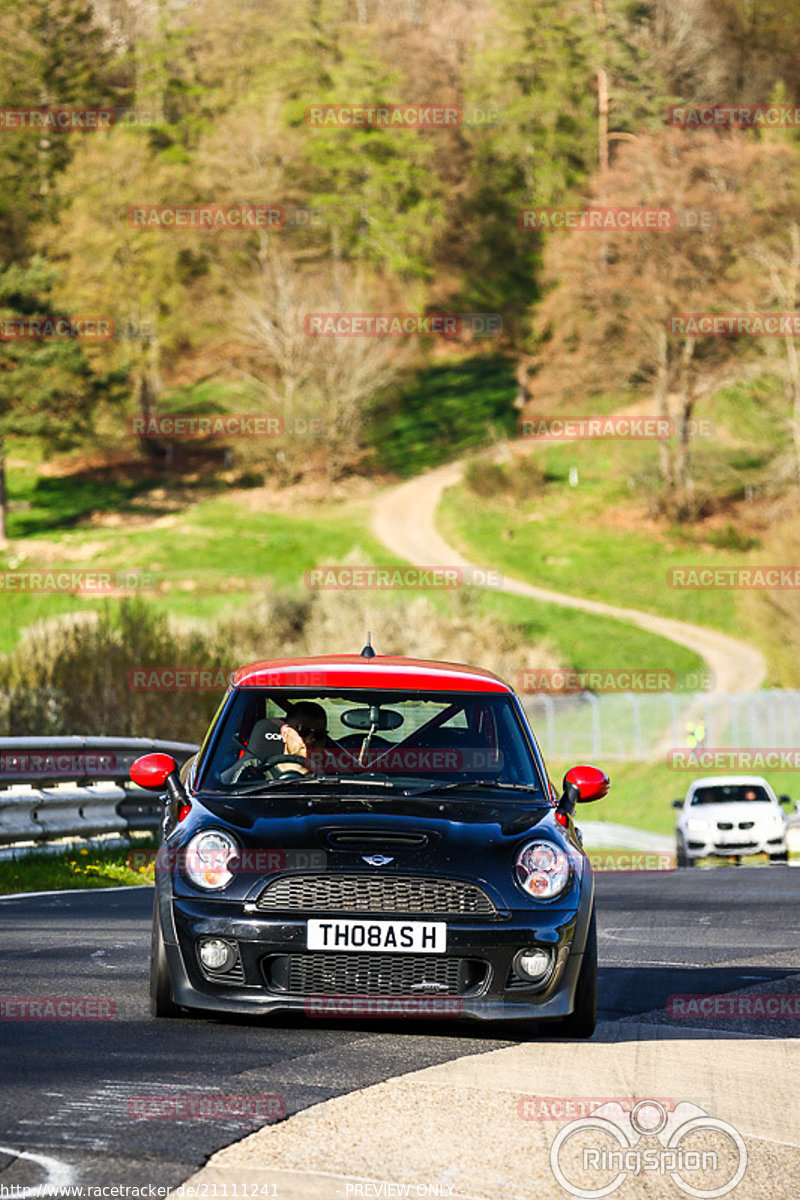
(404, 519)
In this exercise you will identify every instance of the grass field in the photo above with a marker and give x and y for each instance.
(79, 867)
(595, 540)
(202, 557)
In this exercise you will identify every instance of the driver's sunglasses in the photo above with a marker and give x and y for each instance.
(307, 730)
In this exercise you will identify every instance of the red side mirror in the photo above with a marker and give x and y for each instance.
(591, 782)
(152, 770)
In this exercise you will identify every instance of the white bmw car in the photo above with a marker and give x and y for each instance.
(727, 816)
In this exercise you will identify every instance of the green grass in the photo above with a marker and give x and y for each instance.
(565, 538)
(214, 555)
(203, 562)
(641, 794)
(86, 867)
(586, 642)
(444, 412)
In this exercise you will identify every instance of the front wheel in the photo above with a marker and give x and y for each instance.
(781, 856)
(682, 859)
(161, 1002)
(582, 1022)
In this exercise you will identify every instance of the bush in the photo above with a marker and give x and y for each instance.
(520, 479)
(72, 677)
(486, 479)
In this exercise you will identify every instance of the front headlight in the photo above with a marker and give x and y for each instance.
(543, 870)
(207, 858)
(697, 824)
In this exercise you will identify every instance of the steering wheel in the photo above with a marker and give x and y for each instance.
(285, 758)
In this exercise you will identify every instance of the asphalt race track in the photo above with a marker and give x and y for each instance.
(66, 1085)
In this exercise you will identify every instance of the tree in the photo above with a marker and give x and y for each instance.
(52, 53)
(47, 389)
(607, 323)
(322, 381)
(140, 277)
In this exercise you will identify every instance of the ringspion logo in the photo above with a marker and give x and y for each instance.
(594, 1155)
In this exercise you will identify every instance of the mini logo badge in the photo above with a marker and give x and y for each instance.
(376, 860)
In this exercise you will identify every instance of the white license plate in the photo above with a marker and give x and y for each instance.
(409, 937)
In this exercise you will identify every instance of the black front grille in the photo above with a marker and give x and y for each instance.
(372, 974)
(375, 894)
(737, 845)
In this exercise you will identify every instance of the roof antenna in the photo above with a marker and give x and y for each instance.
(368, 651)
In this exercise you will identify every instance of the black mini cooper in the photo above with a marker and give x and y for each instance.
(372, 836)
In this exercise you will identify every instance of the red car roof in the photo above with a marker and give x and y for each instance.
(382, 671)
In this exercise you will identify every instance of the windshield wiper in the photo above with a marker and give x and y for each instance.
(291, 781)
(473, 784)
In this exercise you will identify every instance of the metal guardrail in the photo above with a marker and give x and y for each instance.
(70, 787)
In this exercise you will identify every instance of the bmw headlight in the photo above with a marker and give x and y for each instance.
(207, 859)
(543, 870)
(697, 824)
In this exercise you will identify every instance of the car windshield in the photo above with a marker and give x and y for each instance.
(404, 740)
(731, 793)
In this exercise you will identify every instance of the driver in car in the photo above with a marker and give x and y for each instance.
(304, 733)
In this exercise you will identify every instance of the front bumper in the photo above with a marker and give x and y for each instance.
(698, 846)
(487, 988)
